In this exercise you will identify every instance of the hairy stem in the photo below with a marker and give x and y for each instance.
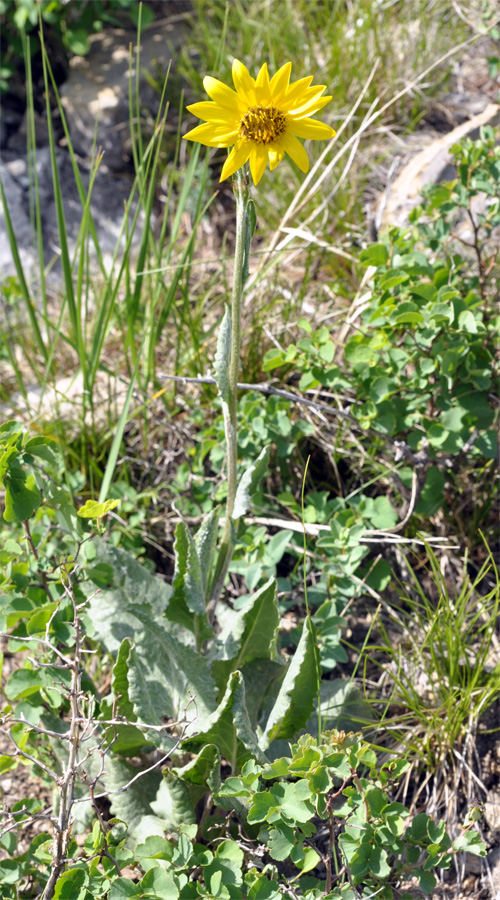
(241, 192)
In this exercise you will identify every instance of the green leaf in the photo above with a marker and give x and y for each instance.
(228, 727)
(161, 883)
(77, 40)
(146, 13)
(281, 840)
(165, 676)
(427, 880)
(451, 419)
(128, 739)
(188, 598)
(295, 700)
(381, 388)
(249, 482)
(174, 803)
(123, 889)
(10, 871)
(377, 801)
(374, 255)
(305, 858)
(250, 634)
(131, 582)
(71, 885)
(223, 356)
(133, 805)
(204, 769)
(24, 682)
(384, 515)
(357, 352)
(431, 497)
(467, 322)
(263, 803)
(22, 496)
(409, 318)
(39, 620)
(92, 509)
(206, 540)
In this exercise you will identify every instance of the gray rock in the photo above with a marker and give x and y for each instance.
(97, 88)
(19, 215)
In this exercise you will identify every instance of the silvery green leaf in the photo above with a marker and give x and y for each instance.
(205, 540)
(188, 592)
(223, 356)
(250, 634)
(295, 700)
(249, 482)
(250, 225)
(228, 727)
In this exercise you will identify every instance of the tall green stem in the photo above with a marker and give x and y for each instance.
(241, 192)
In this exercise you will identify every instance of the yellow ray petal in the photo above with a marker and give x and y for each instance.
(262, 87)
(275, 155)
(296, 151)
(296, 93)
(244, 83)
(212, 112)
(223, 95)
(279, 82)
(309, 109)
(310, 128)
(312, 95)
(258, 161)
(212, 135)
(236, 159)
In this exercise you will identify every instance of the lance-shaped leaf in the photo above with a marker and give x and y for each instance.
(249, 482)
(132, 583)
(187, 604)
(229, 727)
(174, 802)
(222, 356)
(182, 789)
(295, 701)
(166, 678)
(206, 540)
(127, 739)
(133, 805)
(204, 769)
(250, 634)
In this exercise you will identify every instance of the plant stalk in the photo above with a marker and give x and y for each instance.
(242, 196)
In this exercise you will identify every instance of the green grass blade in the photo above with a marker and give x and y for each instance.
(30, 305)
(117, 440)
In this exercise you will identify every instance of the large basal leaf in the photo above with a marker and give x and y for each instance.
(342, 706)
(166, 678)
(261, 677)
(133, 805)
(175, 803)
(229, 727)
(295, 700)
(204, 769)
(131, 583)
(127, 739)
(182, 788)
(249, 483)
(250, 634)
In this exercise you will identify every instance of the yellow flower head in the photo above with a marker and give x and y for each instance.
(263, 118)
